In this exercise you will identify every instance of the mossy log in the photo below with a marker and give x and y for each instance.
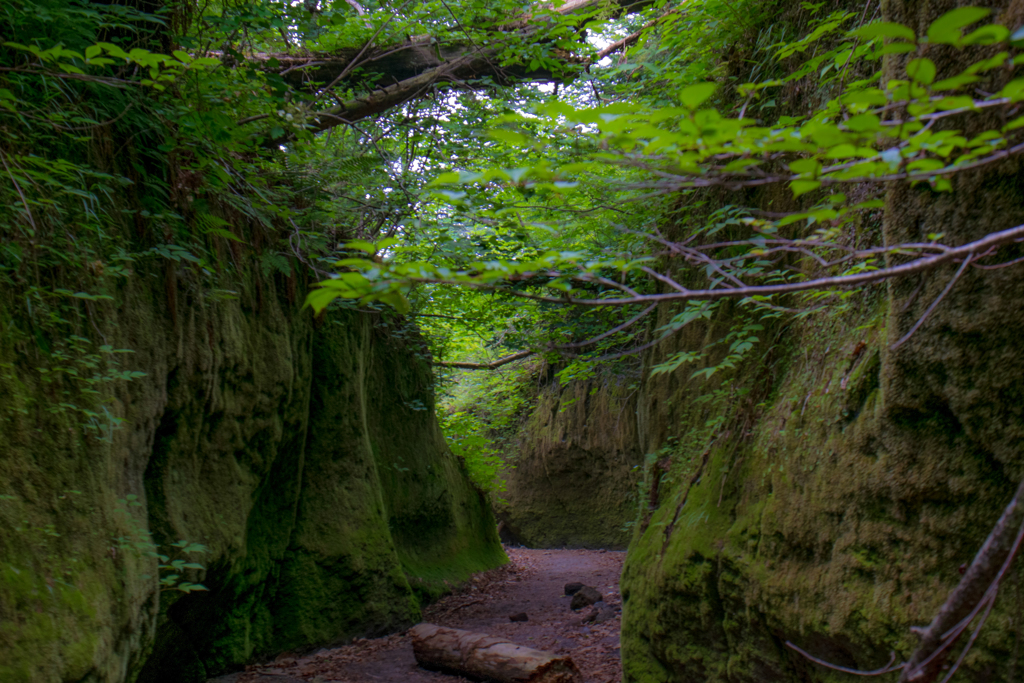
(484, 657)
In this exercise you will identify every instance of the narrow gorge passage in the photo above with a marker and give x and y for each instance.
(533, 582)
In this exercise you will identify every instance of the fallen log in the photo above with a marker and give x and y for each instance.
(485, 658)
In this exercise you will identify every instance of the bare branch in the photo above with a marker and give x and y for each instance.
(357, 7)
(661, 278)
(981, 578)
(888, 668)
(103, 80)
(931, 307)
(989, 602)
(485, 366)
(976, 592)
(603, 335)
(916, 266)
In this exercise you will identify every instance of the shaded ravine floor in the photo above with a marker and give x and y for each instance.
(533, 583)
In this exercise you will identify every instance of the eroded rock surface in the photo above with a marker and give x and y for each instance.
(303, 454)
(576, 466)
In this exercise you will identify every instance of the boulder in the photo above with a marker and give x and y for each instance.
(585, 596)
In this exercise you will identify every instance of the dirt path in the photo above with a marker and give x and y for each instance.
(533, 583)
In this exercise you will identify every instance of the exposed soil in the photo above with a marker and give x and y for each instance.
(533, 583)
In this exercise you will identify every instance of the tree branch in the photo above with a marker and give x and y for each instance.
(916, 266)
(603, 335)
(523, 354)
(412, 68)
(938, 300)
(485, 366)
(985, 572)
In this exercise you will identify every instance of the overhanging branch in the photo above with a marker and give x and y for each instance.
(922, 264)
(472, 65)
(408, 70)
(485, 366)
(556, 347)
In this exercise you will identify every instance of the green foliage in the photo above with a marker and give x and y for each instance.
(637, 153)
(140, 542)
(173, 568)
(468, 437)
(481, 414)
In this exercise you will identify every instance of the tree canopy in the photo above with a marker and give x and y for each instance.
(513, 181)
(507, 181)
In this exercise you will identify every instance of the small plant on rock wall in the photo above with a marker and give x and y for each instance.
(172, 569)
(171, 565)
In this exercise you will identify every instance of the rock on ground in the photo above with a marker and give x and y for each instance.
(533, 583)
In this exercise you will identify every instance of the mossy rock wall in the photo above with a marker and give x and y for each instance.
(847, 482)
(305, 455)
(573, 479)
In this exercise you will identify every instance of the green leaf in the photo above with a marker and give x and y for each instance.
(226, 234)
(884, 29)
(925, 165)
(1014, 89)
(921, 70)
(319, 299)
(805, 166)
(955, 82)
(872, 97)
(946, 29)
(842, 151)
(956, 102)
(863, 123)
(695, 95)
(359, 263)
(800, 187)
(114, 50)
(446, 178)
(362, 245)
(397, 301)
(509, 136)
(987, 35)
(1014, 124)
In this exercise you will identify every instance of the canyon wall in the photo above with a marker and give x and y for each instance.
(304, 454)
(828, 491)
(572, 481)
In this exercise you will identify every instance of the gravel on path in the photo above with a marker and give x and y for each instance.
(533, 582)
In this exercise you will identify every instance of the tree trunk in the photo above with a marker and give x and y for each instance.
(486, 658)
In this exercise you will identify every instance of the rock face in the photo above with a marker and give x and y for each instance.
(828, 491)
(574, 477)
(304, 454)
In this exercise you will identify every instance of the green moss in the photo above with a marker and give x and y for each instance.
(837, 521)
(848, 483)
(289, 451)
(573, 479)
